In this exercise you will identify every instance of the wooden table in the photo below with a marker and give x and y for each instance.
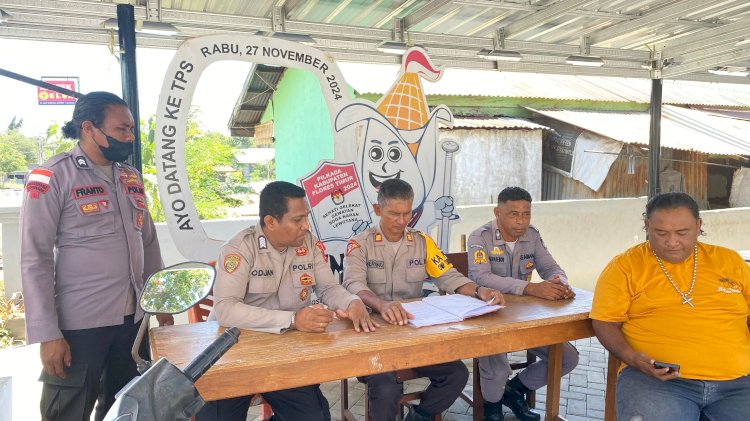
(263, 362)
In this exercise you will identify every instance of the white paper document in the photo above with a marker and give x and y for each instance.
(439, 309)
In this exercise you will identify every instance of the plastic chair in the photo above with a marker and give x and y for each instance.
(199, 313)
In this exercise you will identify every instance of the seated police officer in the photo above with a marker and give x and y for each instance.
(266, 276)
(503, 254)
(389, 263)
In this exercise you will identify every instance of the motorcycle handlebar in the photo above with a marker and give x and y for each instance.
(211, 354)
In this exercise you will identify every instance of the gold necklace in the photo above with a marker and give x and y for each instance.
(686, 298)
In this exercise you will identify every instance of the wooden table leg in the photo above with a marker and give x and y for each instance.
(554, 372)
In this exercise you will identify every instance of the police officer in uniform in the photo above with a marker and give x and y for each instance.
(266, 276)
(503, 254)
(87, 244)
(390, 263)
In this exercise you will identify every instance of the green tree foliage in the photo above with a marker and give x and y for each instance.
(208, 156)
(15, 124)
(173, 291)
(55, 143)
(211, 192)
(264, 171)
(10, 160)
(25, 145)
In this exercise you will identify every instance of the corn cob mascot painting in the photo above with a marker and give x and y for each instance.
(398, 138)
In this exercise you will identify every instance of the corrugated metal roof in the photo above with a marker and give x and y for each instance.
(251, 104)
(375, 78)
(496, 123)
(696, 34)
(681, 128)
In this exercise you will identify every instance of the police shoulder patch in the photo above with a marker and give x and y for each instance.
(37, 182)
(351, 246)
(231, 262)
(322, 247)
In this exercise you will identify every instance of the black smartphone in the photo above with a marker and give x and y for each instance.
(670, 366)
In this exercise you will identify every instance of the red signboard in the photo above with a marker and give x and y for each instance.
(48, 97)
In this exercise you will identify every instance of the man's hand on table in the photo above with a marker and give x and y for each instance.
(357, 313)
(394, 313)
(552, 289)
(314, 318)
(491, 296)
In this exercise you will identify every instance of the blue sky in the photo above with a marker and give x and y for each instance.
(97, 69)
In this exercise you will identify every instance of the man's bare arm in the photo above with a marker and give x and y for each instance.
(610, 335)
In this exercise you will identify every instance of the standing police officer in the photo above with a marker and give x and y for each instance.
(265, 281)
(87, 244)
(503, 254)
(390, 263)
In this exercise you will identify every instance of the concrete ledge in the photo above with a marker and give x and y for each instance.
(6, 398)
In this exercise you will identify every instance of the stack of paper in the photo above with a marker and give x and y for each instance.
(439, 309)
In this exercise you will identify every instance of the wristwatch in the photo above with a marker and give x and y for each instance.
(476, 292)
(292, 325)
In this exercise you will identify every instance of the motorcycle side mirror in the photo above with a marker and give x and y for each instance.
(171, 290)
(177, 288)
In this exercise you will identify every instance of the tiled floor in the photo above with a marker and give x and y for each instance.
(581, 395)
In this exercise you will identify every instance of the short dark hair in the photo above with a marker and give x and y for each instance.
(512, 194)
(671, 200)
(90, 107)
(394, 188)
(274, 198)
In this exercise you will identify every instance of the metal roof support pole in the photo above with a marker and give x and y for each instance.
(654, 139)
(126, 34)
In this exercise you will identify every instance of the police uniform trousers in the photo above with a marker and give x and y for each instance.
(299, 404)
(494, 371)
(101, 365)
(446, 383)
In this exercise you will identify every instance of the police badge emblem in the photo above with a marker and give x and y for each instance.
(139, 219)
(480, 257)
(231, 262)
(301, 251)
(305, 280)
(262, 242)
(304, 294)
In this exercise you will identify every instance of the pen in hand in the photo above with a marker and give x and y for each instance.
(491, 300)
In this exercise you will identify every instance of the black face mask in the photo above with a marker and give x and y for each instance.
(117, 151)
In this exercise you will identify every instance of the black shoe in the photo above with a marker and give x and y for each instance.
(493, 411)
(415, 414)
(514, 399)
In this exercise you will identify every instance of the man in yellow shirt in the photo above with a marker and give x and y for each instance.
(675, 300)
